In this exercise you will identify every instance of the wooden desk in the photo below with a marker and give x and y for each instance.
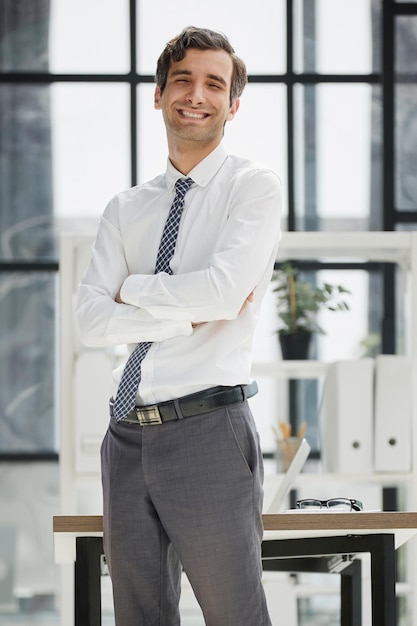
(325, 542)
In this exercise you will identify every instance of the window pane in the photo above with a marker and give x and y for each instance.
(260, 137)
(24, 33)
(337, 36)
(406, 148)
(152, 144)
(25, 172)
(90, 143)
(338, 157)
(83, 129)
(89, 37)
(362, 319)
(260, 132)
(38, 35)
(29, 497)
(258, 40)
(405, 114)
(405, 56)
(27, 362)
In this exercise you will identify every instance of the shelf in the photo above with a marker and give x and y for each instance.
(290, 369)
(390, 247)
(305, 479)
(392, 479)
(305, 590)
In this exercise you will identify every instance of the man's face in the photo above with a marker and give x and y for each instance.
(195, 102)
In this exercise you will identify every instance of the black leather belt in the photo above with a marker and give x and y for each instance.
(188, 406)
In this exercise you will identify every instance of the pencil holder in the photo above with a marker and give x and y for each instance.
(285, 452)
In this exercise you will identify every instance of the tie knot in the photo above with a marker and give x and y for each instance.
(182, 185)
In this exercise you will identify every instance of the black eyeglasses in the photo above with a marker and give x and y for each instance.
(342, 504)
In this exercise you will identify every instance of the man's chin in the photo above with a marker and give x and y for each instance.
(195, 134)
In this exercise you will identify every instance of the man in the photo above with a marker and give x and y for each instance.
(181, 464)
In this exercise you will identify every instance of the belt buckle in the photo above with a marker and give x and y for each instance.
(148, 416)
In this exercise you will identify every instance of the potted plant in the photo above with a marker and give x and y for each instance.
(298, 303)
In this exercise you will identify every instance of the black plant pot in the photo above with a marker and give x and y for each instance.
(295, 345)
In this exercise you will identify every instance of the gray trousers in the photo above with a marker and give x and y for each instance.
(185, 495)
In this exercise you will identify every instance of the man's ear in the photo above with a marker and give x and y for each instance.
(157, 98)
(233, 109)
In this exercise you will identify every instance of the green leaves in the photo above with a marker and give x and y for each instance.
(299, 302)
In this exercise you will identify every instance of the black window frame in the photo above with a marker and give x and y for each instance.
(391, 217)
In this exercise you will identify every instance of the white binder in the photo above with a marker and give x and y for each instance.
(393, 413)
(346, 417)
(92, 379)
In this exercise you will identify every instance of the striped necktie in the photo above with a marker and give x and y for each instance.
(129, 383)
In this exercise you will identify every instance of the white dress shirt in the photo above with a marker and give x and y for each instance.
(226, 248)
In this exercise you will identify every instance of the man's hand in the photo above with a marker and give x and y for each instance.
(117, 297)
(248, 299)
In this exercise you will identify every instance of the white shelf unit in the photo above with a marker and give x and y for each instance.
(388, 247)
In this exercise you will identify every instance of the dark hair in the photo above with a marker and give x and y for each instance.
(203, 39)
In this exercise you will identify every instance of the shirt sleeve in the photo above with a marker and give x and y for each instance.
(245, 251)
(102, 321)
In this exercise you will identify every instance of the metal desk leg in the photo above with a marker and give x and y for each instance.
(383, 573)
(351, 595)
(88, 581)
(383, 568)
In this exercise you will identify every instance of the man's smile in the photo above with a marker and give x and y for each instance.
(194, 115)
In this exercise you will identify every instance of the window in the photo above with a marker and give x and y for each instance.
(329, 105)
(77, 125)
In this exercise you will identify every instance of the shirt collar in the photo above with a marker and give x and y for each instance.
(202, 173)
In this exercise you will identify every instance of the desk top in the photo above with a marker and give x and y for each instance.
(78, 524)
(381, 521)
(348, 523)
(296, 525)
(403, 525)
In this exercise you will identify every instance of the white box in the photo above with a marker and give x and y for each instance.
(346, 417)
(393, 413)
(92, 389)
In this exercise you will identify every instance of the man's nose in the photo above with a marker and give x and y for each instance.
(195, 94)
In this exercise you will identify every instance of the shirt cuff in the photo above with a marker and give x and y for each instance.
(141, 290)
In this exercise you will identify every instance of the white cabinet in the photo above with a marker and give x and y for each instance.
(388, 247)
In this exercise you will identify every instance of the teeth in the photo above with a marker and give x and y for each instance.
(195, 116)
